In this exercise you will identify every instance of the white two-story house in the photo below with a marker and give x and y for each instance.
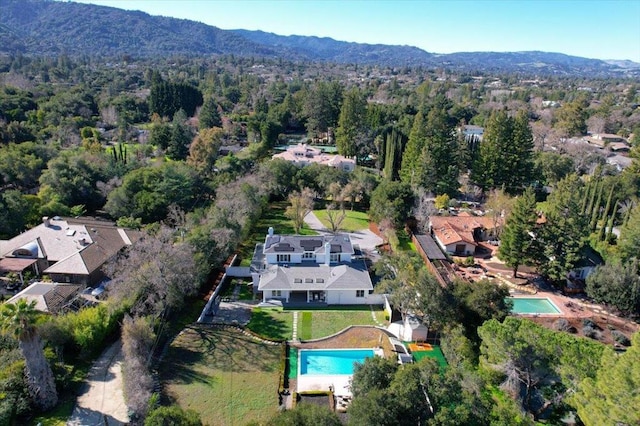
(318, 269)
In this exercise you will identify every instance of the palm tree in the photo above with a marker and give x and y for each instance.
(18, 319)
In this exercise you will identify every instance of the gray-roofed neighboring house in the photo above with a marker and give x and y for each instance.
(69, 250)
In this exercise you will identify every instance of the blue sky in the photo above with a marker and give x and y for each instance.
(602, 29)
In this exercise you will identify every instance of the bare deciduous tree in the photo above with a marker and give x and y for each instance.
(301, 205)
(597, 124)
(154, 275)
(423, 208)
(499, 205)
(137, 343)
(335, 216)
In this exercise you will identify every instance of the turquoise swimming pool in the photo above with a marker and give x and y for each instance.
(533, 305)
(330, 361)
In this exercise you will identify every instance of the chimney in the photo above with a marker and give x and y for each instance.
(46, 221)
(270, 231)
(327, 254)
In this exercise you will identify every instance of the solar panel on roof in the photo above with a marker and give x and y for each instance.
(310, 245)
(283, 247)
(336, 248)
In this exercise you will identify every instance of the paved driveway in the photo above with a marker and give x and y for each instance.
(102, 400)
(366, 239)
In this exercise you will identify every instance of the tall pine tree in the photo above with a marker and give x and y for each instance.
(430, 160)
(518, 237)
(505, 158)
(209, 116)
(351, 122)
(564, 233)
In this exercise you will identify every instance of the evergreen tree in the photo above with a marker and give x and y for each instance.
(431, 158)
(491, 169)
(595, 210)
(505, 158)
(351, 122)
(394, 142)
(605, 215)
(209, 115)
(629, 242)
(322, 106)
(609, 398)
(522, 147)
(181, 136)
(411, 155)
(563, 234)
(518, 237)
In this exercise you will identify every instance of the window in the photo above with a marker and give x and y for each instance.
(334, 257)
(283, 258)
(308, 255)
(359, 293)
(297, 280)
(277, 293)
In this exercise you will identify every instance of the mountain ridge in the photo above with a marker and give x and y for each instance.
(46, 27)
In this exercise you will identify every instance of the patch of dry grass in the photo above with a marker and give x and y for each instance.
(227, 377)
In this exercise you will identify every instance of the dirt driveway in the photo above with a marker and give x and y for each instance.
(102, 400)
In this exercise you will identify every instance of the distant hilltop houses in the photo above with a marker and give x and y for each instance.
(303, 155)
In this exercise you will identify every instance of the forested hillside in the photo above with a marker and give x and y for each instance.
(42, 27)
(54, 27)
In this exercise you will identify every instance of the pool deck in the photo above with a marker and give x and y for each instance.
(339, 383)
(569, 307)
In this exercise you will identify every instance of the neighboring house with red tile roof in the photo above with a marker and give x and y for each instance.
(68, 250)
(460, 235)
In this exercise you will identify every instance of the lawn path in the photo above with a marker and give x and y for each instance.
(295, 326)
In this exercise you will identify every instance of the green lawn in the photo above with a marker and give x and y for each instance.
(321, 323)
(404, 241)
(273, 215)
(305, 331)
(353, 221)
(277, 324)
(225, 376)
(272, 323)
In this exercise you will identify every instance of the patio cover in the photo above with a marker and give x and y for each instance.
(13, 264)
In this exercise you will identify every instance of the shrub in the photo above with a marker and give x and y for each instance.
(591, 332)
(620, 338)
(587, 322)
(172, 415)
(283, 369)
(561, 324)
(90, 327)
